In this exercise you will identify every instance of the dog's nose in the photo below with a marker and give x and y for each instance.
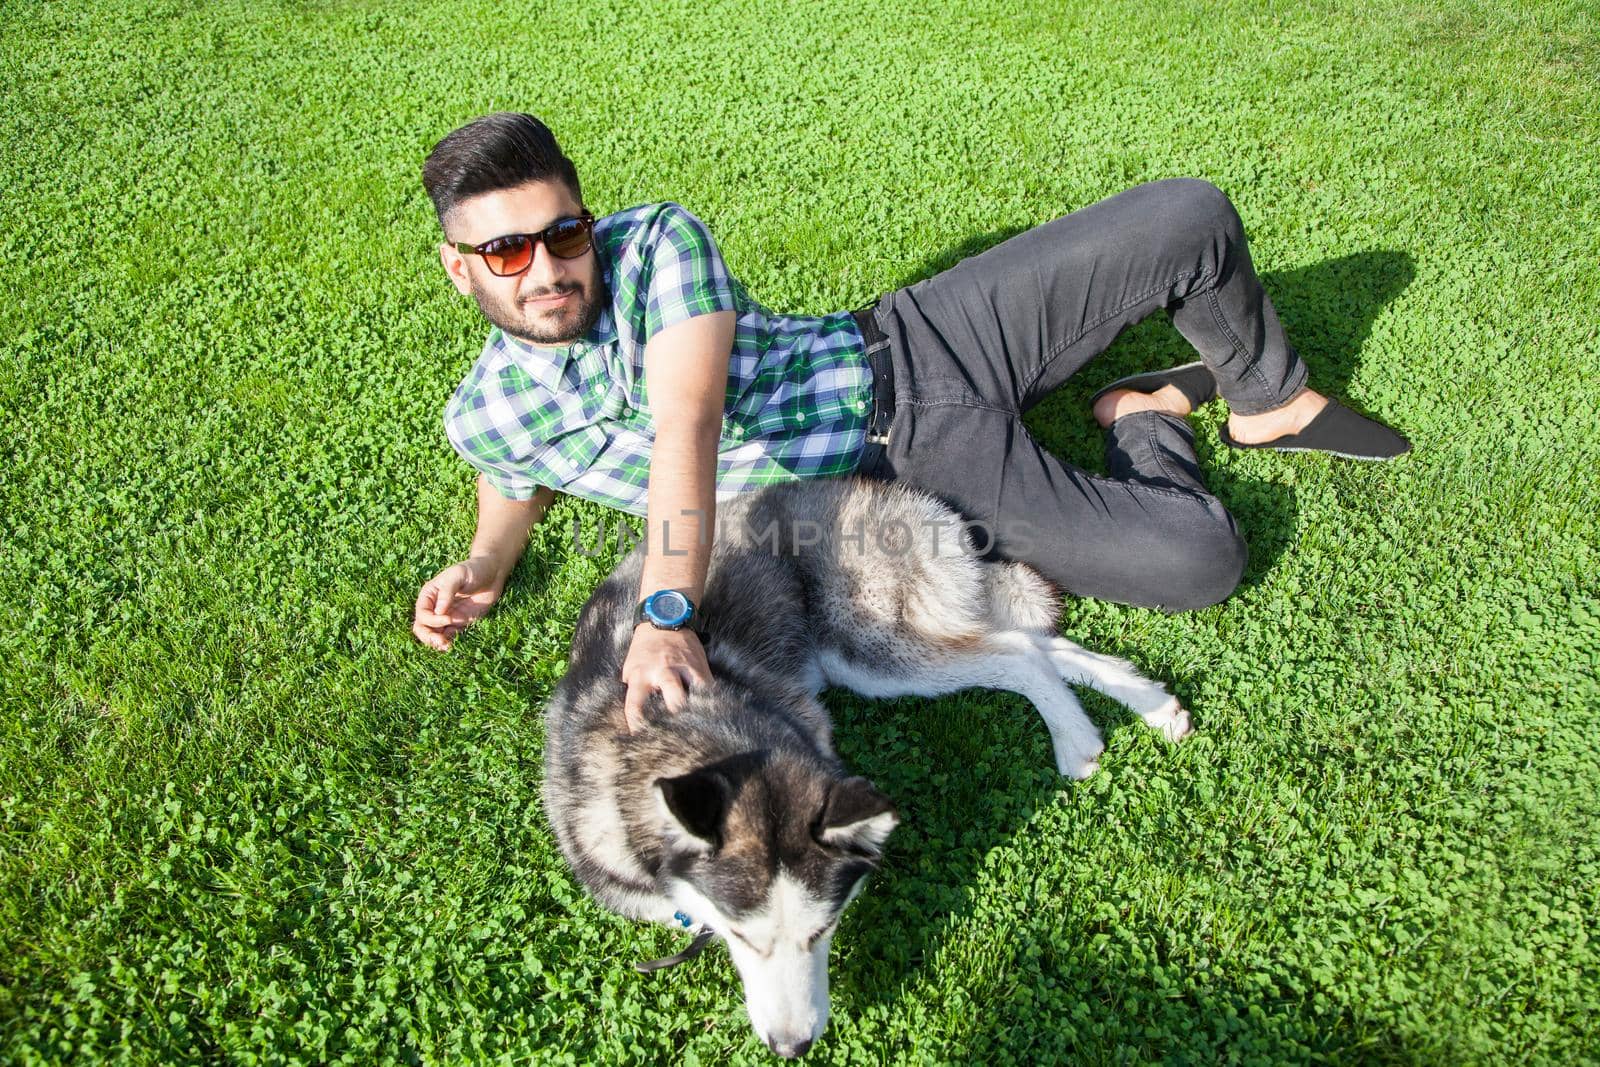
(789, 1050)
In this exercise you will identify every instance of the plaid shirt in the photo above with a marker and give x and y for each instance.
(798, 398)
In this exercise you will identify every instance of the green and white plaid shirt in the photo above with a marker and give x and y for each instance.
(799, 389)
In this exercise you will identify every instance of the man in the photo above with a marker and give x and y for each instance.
(627, 366)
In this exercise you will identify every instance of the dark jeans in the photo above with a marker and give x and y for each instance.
(976, 346)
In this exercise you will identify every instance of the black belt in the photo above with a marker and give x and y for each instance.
(882, 375)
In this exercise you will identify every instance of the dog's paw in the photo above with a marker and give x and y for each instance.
(1080, 763)
(1171, 719)
(1083, 770)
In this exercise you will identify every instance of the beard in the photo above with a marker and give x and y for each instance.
(561, 325)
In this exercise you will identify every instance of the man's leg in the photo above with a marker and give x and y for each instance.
(1008, 326)
(1148, 535)
(979, 344)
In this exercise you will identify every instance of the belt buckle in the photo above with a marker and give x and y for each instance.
(877, 438)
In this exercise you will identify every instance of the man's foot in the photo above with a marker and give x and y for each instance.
(1292, 417)
(1312, 422)
(1309, 422)
(1119, 402)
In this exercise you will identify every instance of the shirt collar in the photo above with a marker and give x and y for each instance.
(604, 330)
(547, 366)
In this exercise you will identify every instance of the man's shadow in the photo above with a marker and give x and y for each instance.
(1327, 309)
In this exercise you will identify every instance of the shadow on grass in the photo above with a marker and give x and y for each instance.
(1326, 308)
(969, 776)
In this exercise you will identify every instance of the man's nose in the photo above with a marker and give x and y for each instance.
(546, 269)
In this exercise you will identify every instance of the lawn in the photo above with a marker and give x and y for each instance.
(244, 815)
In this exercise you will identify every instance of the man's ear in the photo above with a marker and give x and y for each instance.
(856, 817)
(455, 265)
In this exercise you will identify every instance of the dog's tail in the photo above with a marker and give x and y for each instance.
(1020, 598)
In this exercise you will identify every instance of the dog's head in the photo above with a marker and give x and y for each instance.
(767, 851)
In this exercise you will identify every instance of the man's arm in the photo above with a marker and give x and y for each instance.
(464, 592)
(503, 528)
(686, 373)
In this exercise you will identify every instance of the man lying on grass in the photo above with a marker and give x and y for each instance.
(627, 366)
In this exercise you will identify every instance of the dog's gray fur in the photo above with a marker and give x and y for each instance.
(735, 810)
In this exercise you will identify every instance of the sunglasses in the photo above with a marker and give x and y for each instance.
(512, 254)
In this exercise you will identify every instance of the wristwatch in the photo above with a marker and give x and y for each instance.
(666, 609)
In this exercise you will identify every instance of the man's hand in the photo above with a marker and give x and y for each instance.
(668, 660)
(452, 600)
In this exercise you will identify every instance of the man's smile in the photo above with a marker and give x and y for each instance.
(553, 300)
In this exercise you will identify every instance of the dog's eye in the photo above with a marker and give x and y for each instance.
(814, 938)
(751, 945)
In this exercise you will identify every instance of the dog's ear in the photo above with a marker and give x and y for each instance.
(856, 817)
(697, 804)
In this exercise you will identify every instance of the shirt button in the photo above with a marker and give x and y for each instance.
(801, 417)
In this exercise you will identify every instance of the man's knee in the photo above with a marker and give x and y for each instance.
(1200, 207)
(1207, 565)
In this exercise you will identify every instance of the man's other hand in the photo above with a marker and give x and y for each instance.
(452, 600)
(668, 660)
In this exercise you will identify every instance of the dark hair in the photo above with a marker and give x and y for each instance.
(498, 151)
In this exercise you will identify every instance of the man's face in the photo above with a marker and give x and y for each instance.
(555, 301)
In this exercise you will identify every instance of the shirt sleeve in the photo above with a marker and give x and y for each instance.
(482, 446)
(687, 274)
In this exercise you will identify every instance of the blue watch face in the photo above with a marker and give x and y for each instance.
(667, 608)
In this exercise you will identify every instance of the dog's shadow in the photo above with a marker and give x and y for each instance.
(965, 771)
(972, 774)
(1327, 309)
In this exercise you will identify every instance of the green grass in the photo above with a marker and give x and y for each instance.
(244, 815)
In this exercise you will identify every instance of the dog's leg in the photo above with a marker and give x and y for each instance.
(1073, 735)
(1007, 660)
(1119, 680)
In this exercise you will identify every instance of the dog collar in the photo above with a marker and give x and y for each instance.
(697, 946)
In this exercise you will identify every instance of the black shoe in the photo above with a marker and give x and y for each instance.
(1193, 380)
(1338, 431)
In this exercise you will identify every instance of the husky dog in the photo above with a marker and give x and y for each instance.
(733, 817)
